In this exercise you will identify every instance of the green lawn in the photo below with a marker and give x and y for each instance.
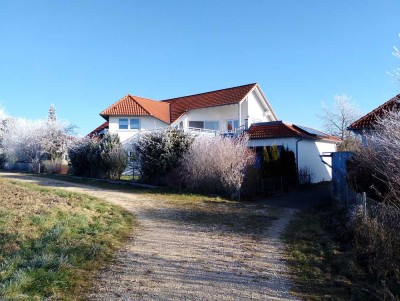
(51, 240)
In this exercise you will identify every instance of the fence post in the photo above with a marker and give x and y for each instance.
(364, 202)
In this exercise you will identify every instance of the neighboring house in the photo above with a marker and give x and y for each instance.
(222, 112)
(367, 123)
(307, 144)
(100, 130)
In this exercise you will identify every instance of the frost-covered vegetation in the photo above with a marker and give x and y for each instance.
(101, 158)
(33, 141)
(52, 240)
(375, 169)
(159, 153)
(217, 165)
(205, 164)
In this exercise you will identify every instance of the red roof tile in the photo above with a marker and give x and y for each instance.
(368, 121)
(279, 129)
(138, 106)
(227, 96)
(275, 129)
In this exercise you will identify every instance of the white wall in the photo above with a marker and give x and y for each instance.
(308, 154)
(251, 108)
(145, 123)
(220, 114)
(257, 110)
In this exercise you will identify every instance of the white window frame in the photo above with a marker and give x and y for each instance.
(129, 124)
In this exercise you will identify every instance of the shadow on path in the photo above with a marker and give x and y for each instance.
(306, 198)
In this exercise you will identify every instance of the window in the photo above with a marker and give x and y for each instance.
(134, 123)
(233, 124)
(131, 123)
(211, 125)
(123, 123)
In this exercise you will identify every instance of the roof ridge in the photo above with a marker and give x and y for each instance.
(377, 109)
(140, 104)
(171, 99)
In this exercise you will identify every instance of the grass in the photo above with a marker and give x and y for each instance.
(206, 211)
(52, 240)
(166, 194)
(322, 260)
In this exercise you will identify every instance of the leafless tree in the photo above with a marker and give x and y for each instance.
(396, 72)
(33, 141)
(338, 117)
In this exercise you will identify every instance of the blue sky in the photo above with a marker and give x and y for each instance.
(83, 56)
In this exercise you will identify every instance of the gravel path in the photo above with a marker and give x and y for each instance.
(175, 253)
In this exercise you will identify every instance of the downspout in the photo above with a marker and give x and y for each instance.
(297, 155)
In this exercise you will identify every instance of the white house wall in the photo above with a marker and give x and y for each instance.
(257, 112)
(220, 114)
(308, 154)
(250, 108)
(145, 123)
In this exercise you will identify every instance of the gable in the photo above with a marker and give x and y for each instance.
(180, 105)
(138, 106)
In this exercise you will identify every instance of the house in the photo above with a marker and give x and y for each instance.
(367, 123)
(226, 112)
(216, 112)
(307, 144)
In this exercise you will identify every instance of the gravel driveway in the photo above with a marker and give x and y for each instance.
(201, 251)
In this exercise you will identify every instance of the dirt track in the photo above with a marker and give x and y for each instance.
(204, 251)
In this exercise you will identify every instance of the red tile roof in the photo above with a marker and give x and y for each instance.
(138, 106)
(368, 121)
(98, 129)
(279, 129)
(227, 96)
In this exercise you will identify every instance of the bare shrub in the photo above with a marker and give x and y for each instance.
(375, 168)
(217, 165)
(377, 244)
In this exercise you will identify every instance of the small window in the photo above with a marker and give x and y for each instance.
(134, 123)
(233, 124)
(123, 123)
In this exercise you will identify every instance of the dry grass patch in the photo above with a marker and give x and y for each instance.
(51, 240)
(322, 259)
